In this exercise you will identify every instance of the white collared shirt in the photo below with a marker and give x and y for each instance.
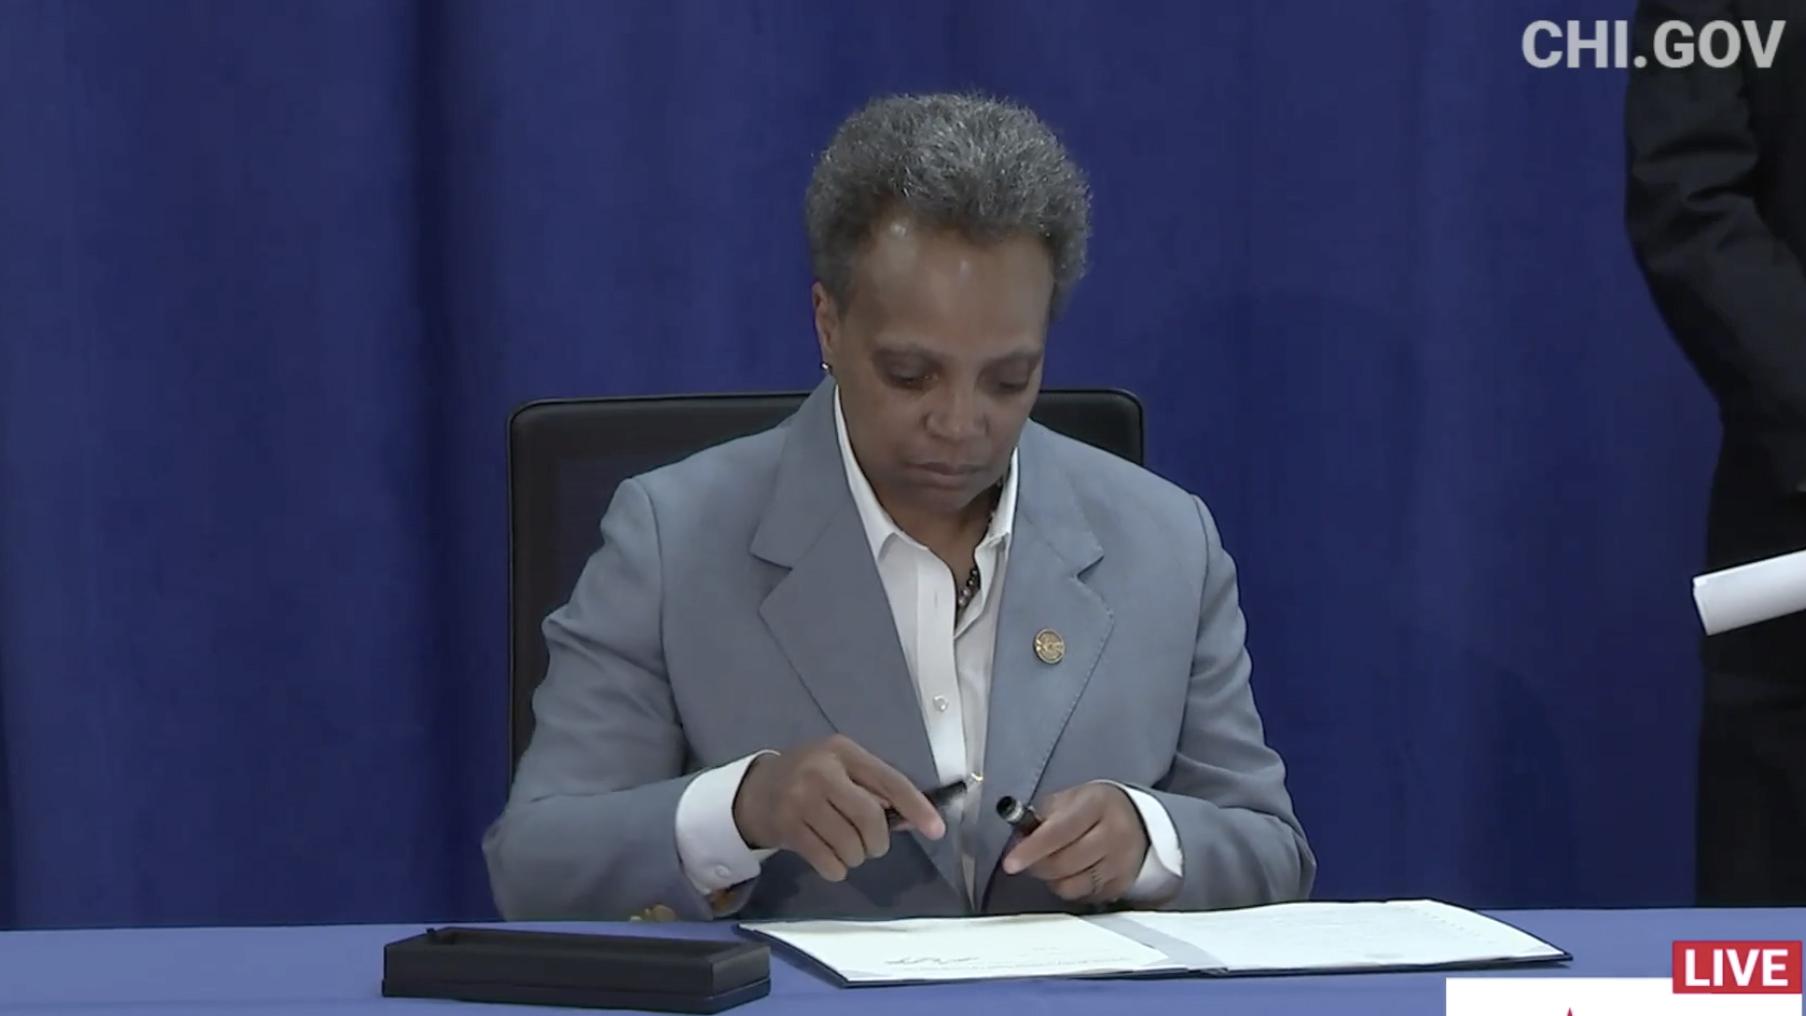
(950, 663)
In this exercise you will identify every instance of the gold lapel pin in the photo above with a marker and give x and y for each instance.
(1049, 646)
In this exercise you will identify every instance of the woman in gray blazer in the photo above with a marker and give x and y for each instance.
(785, 640)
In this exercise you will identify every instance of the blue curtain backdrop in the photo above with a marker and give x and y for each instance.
(272, 276)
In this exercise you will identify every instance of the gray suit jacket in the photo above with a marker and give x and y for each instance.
(734, 606)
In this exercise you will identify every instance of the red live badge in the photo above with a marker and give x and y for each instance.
(1737, 968)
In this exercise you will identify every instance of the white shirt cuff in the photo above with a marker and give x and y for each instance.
(708, 842)
(1163, 869)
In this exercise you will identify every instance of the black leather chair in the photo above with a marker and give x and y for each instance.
(567, 456)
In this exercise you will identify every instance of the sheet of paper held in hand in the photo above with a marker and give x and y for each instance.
(1285, 938)
(1751, 593)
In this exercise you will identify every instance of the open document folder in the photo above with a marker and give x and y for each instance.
(1287, 938)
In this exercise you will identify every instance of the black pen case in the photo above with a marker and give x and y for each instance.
(566, 968)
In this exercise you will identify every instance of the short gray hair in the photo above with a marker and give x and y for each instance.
(984, 168)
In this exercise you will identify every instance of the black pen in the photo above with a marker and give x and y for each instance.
(940, 797)
(1023, 816)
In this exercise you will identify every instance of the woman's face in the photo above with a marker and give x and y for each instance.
(938, 357)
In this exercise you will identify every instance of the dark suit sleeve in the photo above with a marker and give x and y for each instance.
(1730, 289)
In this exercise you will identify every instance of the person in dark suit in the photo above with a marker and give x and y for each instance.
(1716, 210)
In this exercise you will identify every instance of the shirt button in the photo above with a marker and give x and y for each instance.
(977, 777)
(722, 873)
(940, 703)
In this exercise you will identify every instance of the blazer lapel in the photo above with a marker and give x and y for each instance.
(1032, 700)
(830, 614)
(832, 620)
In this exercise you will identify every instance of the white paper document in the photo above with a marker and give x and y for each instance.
(1746, 594)
(965, 948)
(1307, 937)
(1285, 938)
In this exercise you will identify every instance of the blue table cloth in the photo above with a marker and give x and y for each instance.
(338, 970)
